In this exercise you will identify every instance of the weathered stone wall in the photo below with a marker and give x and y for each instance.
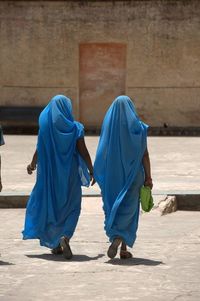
(41, 54)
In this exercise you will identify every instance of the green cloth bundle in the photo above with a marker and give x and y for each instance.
(146, 198)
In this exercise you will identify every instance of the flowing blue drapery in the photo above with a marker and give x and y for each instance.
(54, 205)
(118, 168)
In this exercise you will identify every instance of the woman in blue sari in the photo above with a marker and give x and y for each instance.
(121, 167)
(62, 162)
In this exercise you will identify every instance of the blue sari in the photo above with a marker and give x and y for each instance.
(54, 205)
(118, 168)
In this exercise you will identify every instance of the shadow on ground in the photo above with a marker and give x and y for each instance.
(5, 263)
(79, 258)
(134, 261)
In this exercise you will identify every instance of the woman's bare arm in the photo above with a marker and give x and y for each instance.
(147, 169)
(33, 164)
(83, 151)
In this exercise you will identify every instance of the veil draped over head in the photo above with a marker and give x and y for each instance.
(118, 167)
(54, 205)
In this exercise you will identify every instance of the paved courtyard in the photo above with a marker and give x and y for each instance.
(175, 163)
(166, 261)
(165, 265)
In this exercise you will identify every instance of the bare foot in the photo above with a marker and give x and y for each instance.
(57, 251)
(67, 253)
(112, 250)
(124, 254)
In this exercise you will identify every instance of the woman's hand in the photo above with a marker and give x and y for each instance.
(148, 182)
(31, 168)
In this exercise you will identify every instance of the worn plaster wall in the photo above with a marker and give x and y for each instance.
(41, 55)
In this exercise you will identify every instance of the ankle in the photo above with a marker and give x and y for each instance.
(66, 239)
(123, 247)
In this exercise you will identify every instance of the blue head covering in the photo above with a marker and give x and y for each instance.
(60, 133)
(119, 156)
(54, 204)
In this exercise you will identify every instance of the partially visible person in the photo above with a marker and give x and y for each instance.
(121, 167)
(1, 143)
(62, 162)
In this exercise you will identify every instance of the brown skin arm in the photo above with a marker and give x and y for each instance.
(147, 169)
(0, 176)
(83, 151)
(33, 164)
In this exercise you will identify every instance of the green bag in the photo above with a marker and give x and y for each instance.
(146, 198)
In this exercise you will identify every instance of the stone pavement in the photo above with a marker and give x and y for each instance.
(166, 259)
(175, 164)
(165, 266)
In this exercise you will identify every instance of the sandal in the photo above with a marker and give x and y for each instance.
(57, 251)
(112, 250)
(125, 254)
(64, 243)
